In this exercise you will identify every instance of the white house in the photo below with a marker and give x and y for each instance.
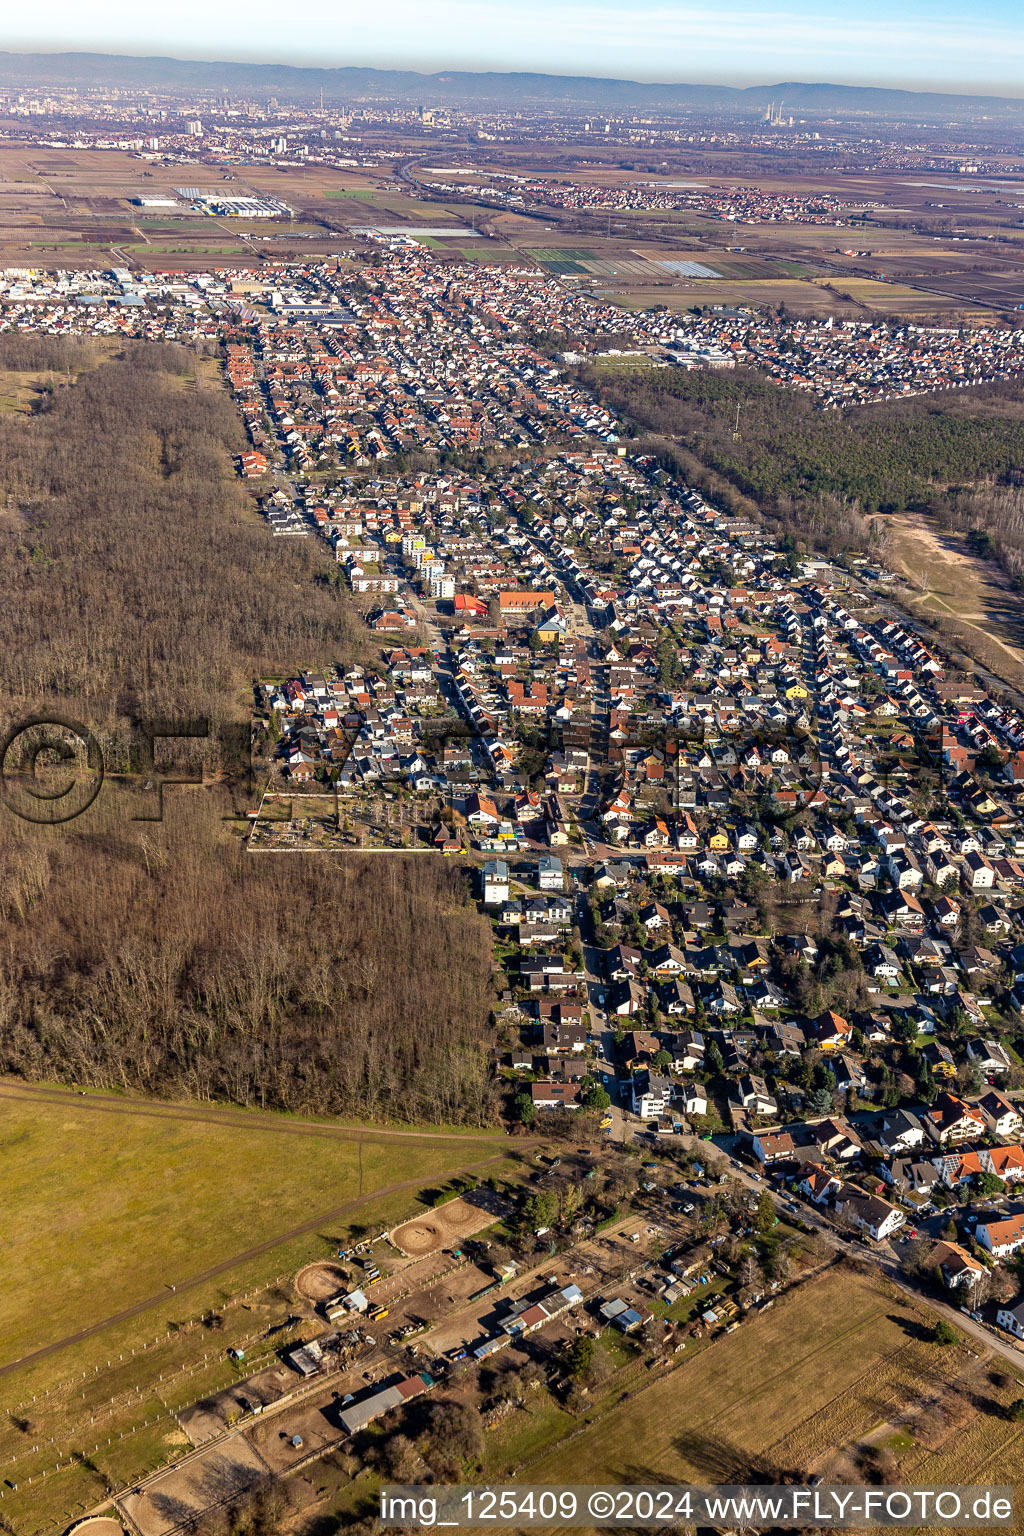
(978, 872)
(549, 872)
(1012, 1319)
(1001, 1238)
(990, 1055)
(1002, 1117)
(651, 1095)
(774, 1146)
(692, 1098)
(495, 882)
(901, 1132)
(870, 1213)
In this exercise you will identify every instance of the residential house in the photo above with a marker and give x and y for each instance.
(773, 1147)
(1012, 1318)
(956, 1265)
(1001, 1117)
(552, 1095)
(1002, 1236)
(651, 1094)
(495, 882)
(952, 1120)
(550, 876)
(870, 1213)
(816, 1183)
(990, 1055)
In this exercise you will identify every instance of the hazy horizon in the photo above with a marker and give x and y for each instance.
(912, 46)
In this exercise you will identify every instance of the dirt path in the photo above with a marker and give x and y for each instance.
(918, 543)
(314, 1224)
(238, 1120)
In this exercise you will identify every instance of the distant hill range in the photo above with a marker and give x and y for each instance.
(292, 83)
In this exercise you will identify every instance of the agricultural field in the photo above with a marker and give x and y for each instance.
(799, 297)
(1003, 287)
(753, 267)
(814, 1386)
(388, 206)
(793, 284)
(494, 252)
(74, 208)
(611, 258)
(563, 261)
(894, 298)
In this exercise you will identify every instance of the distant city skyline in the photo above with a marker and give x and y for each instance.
(920, 46)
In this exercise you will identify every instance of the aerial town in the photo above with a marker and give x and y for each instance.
(335, 324)
(742, 832)
(742, 205)
(654, 737)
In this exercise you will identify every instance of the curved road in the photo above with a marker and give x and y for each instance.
(881, 1255)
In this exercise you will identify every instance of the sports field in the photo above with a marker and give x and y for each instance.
(448, 1223)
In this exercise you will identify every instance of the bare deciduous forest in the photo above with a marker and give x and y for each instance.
(162, 957)
(993, 518)
(138, 580)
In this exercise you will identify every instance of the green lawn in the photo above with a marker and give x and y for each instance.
(486, 253)
(154, 248)
(105, 1207)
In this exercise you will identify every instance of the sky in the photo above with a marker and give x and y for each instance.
(930, 44)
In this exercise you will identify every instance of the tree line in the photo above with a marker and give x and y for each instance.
(993, 518)
(810, 469)
(168, 960)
